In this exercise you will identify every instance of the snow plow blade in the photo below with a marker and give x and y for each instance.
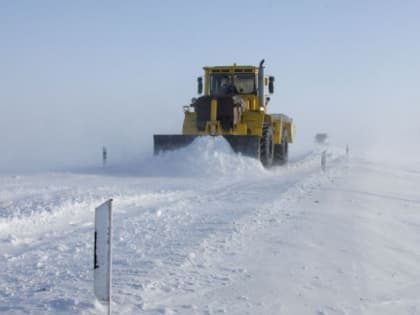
(245, 145)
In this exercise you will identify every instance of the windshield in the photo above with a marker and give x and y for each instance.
(228, 84)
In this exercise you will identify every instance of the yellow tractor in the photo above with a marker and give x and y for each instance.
(234, 106)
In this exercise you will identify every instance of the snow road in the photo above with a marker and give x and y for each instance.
(204, 231)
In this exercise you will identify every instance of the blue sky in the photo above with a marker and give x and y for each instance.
(76, 75)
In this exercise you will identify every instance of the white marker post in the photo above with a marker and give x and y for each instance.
(324, 160)
(102, 253)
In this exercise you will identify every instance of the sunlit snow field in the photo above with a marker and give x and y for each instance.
(204, 231)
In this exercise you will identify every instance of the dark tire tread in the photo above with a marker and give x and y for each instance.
(267, 146)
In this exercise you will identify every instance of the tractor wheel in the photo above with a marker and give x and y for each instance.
(281, 151)
(267, 146)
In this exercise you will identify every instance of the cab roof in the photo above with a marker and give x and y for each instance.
(231, 69)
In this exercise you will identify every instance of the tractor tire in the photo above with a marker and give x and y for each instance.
(267, 146)
(281, 151)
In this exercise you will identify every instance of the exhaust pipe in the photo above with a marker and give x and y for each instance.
(261, 84)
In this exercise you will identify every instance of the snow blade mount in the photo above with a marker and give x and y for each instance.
(245, 145)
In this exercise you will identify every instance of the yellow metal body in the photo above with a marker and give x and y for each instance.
(252, 118)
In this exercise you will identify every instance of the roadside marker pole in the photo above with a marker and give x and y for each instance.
(324, 160)
(102, 253)
(104, 156)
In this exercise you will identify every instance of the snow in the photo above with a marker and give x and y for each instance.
(204, 231)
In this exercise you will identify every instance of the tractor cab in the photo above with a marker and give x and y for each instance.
(230, 80)
(247, 82)
(232, 84)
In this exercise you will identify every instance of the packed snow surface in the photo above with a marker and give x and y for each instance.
(205, 231)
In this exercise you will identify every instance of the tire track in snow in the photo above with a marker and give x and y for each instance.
(210, 271)
(214, 231)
